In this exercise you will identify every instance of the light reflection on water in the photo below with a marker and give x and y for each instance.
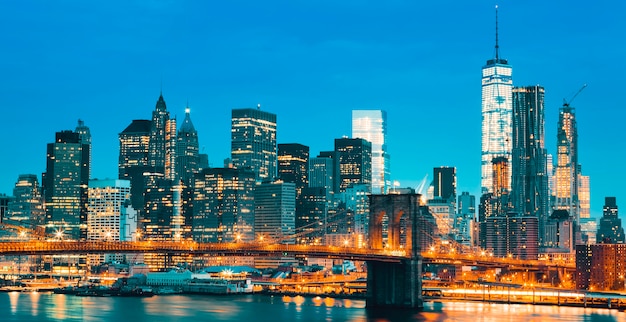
(45, 307)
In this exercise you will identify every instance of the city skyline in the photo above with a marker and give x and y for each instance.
(311, 65)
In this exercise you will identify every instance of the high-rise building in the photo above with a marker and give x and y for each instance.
(157, 220)
(162, 144)
(444, 183)
(600, 267)
(332, 170)
(567, 163)
(610, 230)
(321, 173)
(293, 165)
(133, 158)
(187, 166)
(356, 201)
(497, 107)
(253, 142)
(111, 217)
(530, 192)
(371, 125)
(65, 185)
(355, 162)
(275, 212)
(26, 208)
(311, 215)
(465, 218)
(224, 206)
(584, 196)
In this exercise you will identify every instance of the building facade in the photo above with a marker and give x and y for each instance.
(133, 158)
(253, 142)
(610, 230)
(355, 162)
(275, 212)
(293, 165)
(371, 125)
(162, 144)
(26, 209)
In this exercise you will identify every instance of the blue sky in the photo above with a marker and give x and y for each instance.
(311, 63)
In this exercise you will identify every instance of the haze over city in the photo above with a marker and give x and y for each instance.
(310, 64)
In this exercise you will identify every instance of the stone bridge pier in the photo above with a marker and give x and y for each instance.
(395, 284)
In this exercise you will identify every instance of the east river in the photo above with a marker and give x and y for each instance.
(44, 307)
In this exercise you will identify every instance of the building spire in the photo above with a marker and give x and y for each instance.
(497, 47)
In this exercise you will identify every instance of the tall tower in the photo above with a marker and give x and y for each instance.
(530, 191)
(444, 183)
(275, 212)
(133, 159)
(293, 165)
(65, 185)
(497, 85)
(253, 142)
(355, 162)
(371, 125)
(162, 145)
(187, 166)
(567, 163)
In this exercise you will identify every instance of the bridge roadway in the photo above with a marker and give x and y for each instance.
(264, 249)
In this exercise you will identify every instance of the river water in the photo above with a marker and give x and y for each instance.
(44, 307)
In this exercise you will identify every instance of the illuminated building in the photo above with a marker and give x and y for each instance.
(157, 220)
(465, 218)
(253, 142)
(530, 192)
(355, 162)
(325, 171)
(371, 125)
(65, 185)
(275, 212)
(311, 215)
(444, 183)
(133, 158)
(293, 165)
(497, 85)
(600, 267)
(223, 206)
(567, 163)
(187, 166)
(162, 144)
(26, 207)
(610, 230)
(356, 201)
(584, 197)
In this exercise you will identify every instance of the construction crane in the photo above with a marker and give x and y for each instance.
(566, 103)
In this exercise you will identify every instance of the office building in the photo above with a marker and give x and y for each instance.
(293, 165)
(465, 218)
(275, 212)
(324, 170)
(567, 163)
(497, 107)
(600, 267)
(530, 191)
(311, 216)
(26, 208)
(253, 142)
(133, 158)
(371, 125)
(187, 166)
(444, 183)
(64, 185)
(224, 206)
(610, 230)
(111, 216)
(162, 144)
(355, 162)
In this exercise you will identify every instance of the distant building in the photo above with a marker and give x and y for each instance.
(224, 206)
(275, 212)
(444, 183)
(253, 142)
(187, 166)
(465, 218)
(567, 163)
(311, 216)
(65, 185)
(610, 230)
(26, 207)
(355, 162)
(162, 144)
(133, 159)
(325, 171)
(371, 125)
(293, 165)
(511, 235)
(111, 216)
(356, 201)
(157, 220)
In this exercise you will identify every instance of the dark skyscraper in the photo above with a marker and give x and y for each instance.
(355, 162)
(530, 192)
(444, 183)
(187, 166)
(567, 163)
(26, 208)
(293, 165)
(253, 142)
(133, 159)
(610, 230)
(162, 144)
(65, 185)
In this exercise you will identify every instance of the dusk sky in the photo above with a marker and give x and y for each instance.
(311, 63)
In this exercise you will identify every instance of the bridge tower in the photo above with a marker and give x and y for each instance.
(395, 284)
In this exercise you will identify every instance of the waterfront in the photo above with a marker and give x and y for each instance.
(48, 307)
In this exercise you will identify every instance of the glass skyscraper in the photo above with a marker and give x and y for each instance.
(497, 86)
(371, 125)
(567, 163)
(253, 142)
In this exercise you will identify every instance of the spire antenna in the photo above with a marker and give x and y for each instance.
(497, 47)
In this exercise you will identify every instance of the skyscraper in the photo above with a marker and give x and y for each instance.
(275, 212)
(497, 85)
(567, 163)
(371, 125)
(133, 158)
(293, 165)
(162, 144)
(444, 183)
(321, 173)
(27, 206)
(65, 185)
(355, 162)
(111, 217)
(530, 192)
(253, 142)
(610, 230)
(224, 205)
(187, 166)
